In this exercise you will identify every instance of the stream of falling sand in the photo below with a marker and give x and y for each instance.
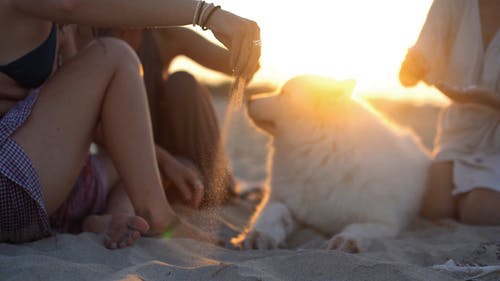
(235, 103)
(221, 168)
(220, 161)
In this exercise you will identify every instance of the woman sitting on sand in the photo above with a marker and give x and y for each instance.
(458, 51)
(49, 118)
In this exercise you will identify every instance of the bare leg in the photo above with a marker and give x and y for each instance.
(102, 83)
(480, 206)
(119, 224)
(438, 202)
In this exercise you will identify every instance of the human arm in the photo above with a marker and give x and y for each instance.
(112, 13)
(472, 94)
(182, 41)
(174, 173)
(236, 33)
(413, 69)
(427, 59)
(10, 93)
(177, 175)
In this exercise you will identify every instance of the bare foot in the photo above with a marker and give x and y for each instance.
(120, 230)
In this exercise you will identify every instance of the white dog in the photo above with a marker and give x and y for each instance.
(335, 165)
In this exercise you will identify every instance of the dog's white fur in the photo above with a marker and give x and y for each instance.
(335, 165)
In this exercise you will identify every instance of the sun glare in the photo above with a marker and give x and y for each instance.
(357, 39)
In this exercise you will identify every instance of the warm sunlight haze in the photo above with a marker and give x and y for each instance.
(357, 39)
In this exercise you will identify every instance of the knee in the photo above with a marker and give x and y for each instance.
(117, 52)
(182, 84)
(183, 78)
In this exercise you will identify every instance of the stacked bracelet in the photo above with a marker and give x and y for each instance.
(207, 17)
(203, 13)
(197, 12)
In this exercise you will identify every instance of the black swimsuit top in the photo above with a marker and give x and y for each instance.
(32, 69)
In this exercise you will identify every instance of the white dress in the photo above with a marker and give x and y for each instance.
(468, 134)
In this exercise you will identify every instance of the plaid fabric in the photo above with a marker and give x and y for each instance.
(22, 212)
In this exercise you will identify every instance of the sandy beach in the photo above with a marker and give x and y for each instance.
(426, 251)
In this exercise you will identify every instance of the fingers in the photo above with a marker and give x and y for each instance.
(198, 192)
(192, 177)
(242, 38)
(190, 186)
(173, 172)
(245, 50)
(236, 44)
(253, 61)
(414, 68)
(183, 187)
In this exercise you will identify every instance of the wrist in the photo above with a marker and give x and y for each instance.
(203, 13)
(215, 20)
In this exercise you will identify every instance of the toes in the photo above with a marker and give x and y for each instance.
(125, 240)
(138, 223)
(123, 230)
(135, 235)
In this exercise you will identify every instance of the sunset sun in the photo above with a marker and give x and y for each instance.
(361, 40)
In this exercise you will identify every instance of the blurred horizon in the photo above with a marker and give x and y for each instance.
(358, 39)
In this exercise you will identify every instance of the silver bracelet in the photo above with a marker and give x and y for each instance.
(197, 11)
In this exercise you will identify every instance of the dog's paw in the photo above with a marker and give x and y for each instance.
(345, 243)
(258, 240)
